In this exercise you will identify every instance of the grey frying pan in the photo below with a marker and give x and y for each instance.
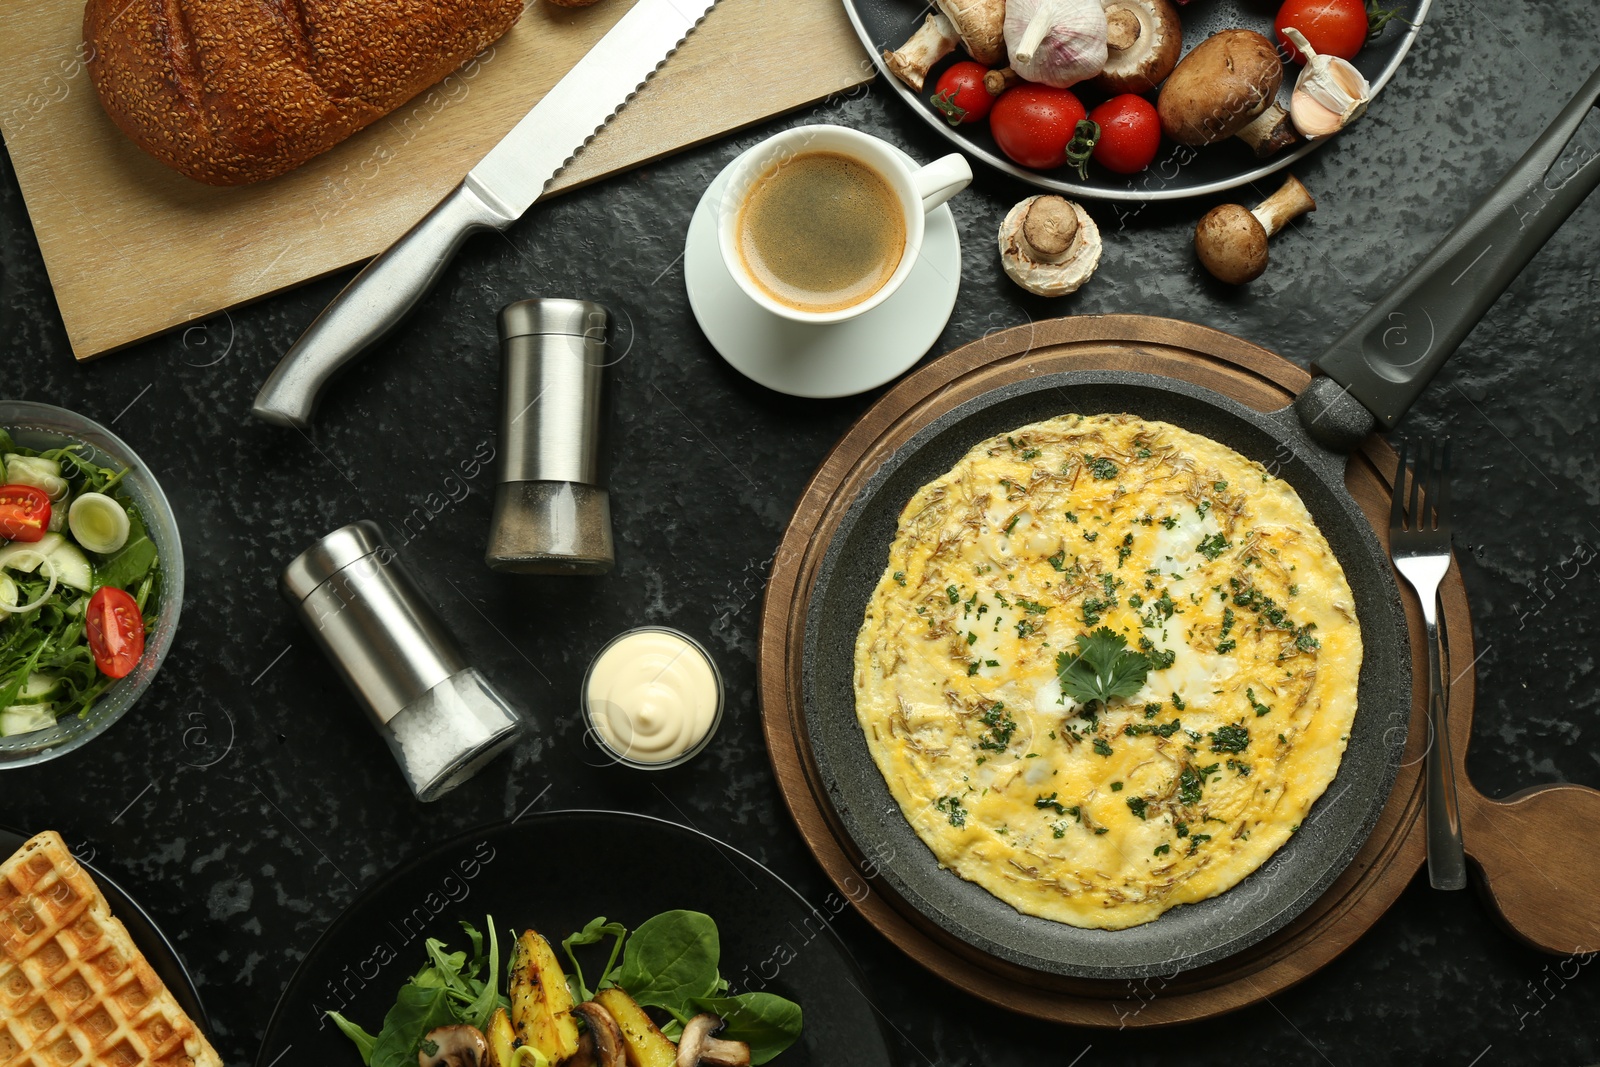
(1368, 379)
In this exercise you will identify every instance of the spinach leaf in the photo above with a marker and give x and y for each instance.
(363, 1040)
(418, 1009)
(133, 561)
(595, 931)
(671, 959)
(765, 1021)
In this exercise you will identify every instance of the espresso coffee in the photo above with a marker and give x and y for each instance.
(821, 231)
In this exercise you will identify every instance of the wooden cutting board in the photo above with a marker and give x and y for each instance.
(134, 249)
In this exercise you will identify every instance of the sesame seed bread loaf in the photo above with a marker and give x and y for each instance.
(229, 92)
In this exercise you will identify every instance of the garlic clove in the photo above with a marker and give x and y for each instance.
(1329, 94)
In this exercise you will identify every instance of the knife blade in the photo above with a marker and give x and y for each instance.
(493, 195)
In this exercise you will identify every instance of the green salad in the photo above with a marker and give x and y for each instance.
(658, 1001)
(80, 584)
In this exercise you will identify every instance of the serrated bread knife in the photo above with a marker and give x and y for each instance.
(492, 196)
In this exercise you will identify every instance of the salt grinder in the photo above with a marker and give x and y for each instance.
(552, 514)
(441, 719)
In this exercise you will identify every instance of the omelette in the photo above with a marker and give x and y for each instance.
(1110, 666)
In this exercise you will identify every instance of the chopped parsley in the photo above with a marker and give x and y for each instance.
(1196, 841)
(1000, 725)
(1058, 830)
(1166, 729)
(900, 576)
(1163, 849)
(1231, 738)
(1050, 801)
(1177, 702)
(1170, 522)
(1125, 550)
(951, 806)
(1032, 607)
(1260, 708)
(1014, 520)
(1091, 536)
(1189, 787)
(1072, 518)
(1116, 787)
(1137, 806)
(1102, 468)
(1213, 546)
(953, 593)
(1059, 560)
(1101, 747)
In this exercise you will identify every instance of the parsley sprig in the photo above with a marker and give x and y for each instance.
(1103, 667)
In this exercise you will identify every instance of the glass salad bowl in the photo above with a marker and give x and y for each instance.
(42, 426)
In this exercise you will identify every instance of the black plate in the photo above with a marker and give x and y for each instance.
(158, 951)
(771, 937)
(1178, 171)
(1190, 935)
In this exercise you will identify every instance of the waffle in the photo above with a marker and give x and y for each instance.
(73, 988)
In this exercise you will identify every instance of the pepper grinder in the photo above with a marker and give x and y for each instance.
(552, 514)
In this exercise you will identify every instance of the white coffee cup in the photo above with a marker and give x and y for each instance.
(918, 191)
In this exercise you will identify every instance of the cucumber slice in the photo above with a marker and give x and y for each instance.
(26, 719)
(24, 556)
(72, 566)
(40, 689)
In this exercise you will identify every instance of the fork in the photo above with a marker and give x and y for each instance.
(1421, 552)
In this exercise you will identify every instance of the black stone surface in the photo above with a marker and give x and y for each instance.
(245, 801)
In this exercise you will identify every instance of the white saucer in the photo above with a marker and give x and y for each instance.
(837, 359)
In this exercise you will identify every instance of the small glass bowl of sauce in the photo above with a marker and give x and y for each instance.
(653, 698)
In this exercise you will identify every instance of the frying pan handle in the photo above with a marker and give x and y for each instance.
(1388, 358)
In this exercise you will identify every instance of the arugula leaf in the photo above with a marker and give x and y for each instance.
(670, 960)
(417, 1009)
(364, 1041)
(1103, 667)
(595, 931)
(133, 561)
(766, 1022)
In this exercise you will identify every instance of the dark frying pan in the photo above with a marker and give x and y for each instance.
(1368, 379)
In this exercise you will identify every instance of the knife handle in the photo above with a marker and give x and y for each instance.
(373, 304)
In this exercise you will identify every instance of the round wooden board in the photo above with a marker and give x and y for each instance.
(1218, 361)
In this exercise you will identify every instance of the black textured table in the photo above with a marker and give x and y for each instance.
(245, 800)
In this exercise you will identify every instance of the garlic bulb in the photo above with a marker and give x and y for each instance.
(1056, 42)
(1329, 94)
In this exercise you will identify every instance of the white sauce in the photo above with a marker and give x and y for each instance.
(652, 696)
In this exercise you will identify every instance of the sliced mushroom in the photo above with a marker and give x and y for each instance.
(1049, 245)
(609, 1051)
(697, 1046)
(453, 1046)
(1232, 242)
(934, 39)
(1226, 81)
(1143, 40)
(981, 25)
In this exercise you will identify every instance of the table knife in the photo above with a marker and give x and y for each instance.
(493, 195)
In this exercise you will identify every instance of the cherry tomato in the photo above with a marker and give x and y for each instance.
(1333, 27)
(1033, 123)
(116, 631)
(24, 513)
(1130, 133)
(960, 94)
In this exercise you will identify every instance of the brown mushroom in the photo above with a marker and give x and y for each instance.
(1228, 80)
(934, 39)
(609, 1051)
(981, 25)
(697, 1046)
(1232, 242)
(453, 1046)
(1049, 245)
(998, 81)
(1143, 40)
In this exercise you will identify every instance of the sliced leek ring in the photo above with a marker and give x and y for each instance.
(98, 523)
(49, 567)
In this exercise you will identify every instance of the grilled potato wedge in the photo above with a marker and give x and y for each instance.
(541, 1006)
(646, 1046)
(502, 1039)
